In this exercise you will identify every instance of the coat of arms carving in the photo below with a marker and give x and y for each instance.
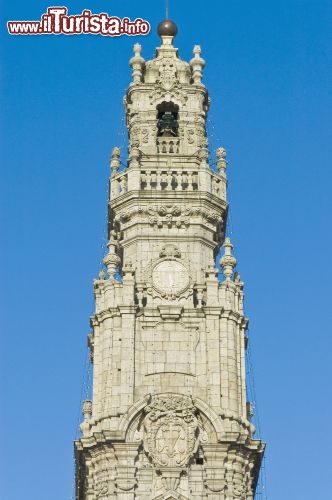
(171, 430)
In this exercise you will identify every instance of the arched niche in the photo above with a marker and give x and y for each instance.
(167, 119)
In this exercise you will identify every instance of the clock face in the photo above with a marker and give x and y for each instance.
(170, 277)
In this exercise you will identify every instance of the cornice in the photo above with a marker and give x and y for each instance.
(155, 196)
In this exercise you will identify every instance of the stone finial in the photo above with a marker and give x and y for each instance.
(134, 154)
(128, 265)
(240, 286)
(124, 184)
(137, 50)
(249, 409)
(112, 260)
(116, 152)
(228, 261)
(221, 160)
(238, 281)
(211, 271)
(203, 155)
(137, 63)
(167, 30)
(167, 27)
(128, 269)
(101, 274)
(87, 414)
(87, 409)
(197, 64)
(115, 161)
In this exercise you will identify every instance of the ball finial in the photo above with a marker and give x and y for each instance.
(167, 28)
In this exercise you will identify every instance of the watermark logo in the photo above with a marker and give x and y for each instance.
(56, 21)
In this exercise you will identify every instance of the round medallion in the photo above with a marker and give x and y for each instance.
(170, 277)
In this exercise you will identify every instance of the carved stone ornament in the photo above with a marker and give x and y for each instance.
(214, 482)
(171, 430)
(238, 489)
(170, 251)
(169, 214)
(103, 471)
(168, 277)
(134, 136)
(191, 136)
(101, 488)
(176, 94)
(145, 135)
(167, 73)
(126, 484)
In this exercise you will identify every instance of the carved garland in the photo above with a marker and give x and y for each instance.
(170, 215)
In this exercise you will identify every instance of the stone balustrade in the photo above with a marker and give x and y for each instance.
(167, 145)
(168, 180)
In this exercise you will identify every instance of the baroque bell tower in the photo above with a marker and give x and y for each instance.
(169, 417)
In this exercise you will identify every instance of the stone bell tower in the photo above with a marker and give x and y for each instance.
(168, 417)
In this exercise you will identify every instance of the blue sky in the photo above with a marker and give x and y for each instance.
(269, 76)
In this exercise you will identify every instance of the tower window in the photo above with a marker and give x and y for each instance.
(167, 118)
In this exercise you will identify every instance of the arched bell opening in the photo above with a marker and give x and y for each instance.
(167, 119)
